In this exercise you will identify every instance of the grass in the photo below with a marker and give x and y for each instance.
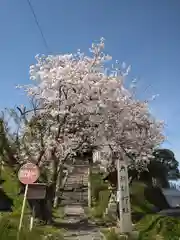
(150, 227)
(159, 227)
(9, 226)
(100, 195)
(9, 221)
(11, 188)
(58, 213)
(138, 201)
(113, 234)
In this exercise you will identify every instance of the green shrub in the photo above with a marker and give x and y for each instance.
(138, 201)
(100, 194)
(151, 227)
(159, 227)
(97, 185)
(9, 221)
(9, 230)
(11, 188)
(111, 234)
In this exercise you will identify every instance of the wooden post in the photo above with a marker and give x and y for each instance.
(32, 219)
(89, 184)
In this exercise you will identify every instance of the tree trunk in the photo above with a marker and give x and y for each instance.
(54, 176)
(58, 184)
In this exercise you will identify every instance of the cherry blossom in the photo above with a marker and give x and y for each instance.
(83, 104)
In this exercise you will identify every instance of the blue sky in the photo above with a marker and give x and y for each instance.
(143, 33)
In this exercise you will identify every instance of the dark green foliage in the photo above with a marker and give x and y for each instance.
(11, 188)
(147, 198)
(159, 201)
(167, 159)
(7, 145)
(166, 228)
(100, 195)
(102, 204)
(9, 221)
(139, 202)
(98, 185)
(8, 230)
(163, 167)
(151, 226)
(113, 235)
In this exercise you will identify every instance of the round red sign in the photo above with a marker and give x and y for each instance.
(28, 173)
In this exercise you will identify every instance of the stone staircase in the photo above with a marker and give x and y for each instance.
(74, 199)
(75, 190)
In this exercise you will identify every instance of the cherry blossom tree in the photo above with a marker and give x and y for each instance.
(82, 104)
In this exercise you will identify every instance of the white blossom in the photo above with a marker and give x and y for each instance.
(83, 102)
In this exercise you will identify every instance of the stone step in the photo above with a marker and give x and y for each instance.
(76, 183)
(74, 196)
(72, 190)
(84, 235)
(74, 210)
(75, 189)
(78, 177)
(82, 203)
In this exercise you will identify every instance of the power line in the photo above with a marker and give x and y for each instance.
(38, 25)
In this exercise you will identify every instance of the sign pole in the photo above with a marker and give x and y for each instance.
(28, 174)
(23, 207)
